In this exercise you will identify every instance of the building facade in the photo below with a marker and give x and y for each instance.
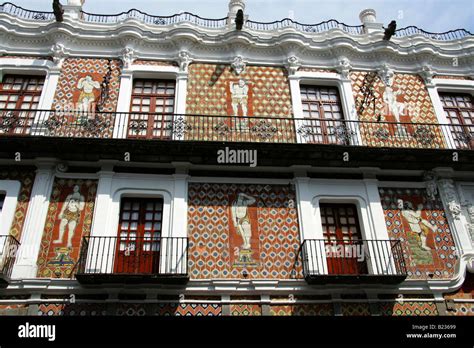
(180, 165)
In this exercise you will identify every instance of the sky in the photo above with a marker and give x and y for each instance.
(430, 15)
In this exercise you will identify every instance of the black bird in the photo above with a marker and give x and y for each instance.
(390, 30)
(239, 20)
(58, 10)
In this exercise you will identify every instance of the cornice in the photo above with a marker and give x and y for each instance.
(408, 54)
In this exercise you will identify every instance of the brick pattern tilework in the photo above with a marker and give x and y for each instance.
(196, 309)
(68, 95)
(208, 231)
(355, 309)
(316, 309)
(466, 292)
(245, 309)
(85, 309)
(132, 310)
(268, 96)
(418, 308)
(13, 309)
(26, 177)
(410, 92)
(56, 260)
(50, 309)
(422, 227)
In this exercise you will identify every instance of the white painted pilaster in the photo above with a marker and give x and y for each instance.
(296, 104)
(123, 105)
(181, 92)
(26, 266)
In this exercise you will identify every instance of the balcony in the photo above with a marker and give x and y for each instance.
(133, 260)
(206, 128)
(8, 251)
(353, 262)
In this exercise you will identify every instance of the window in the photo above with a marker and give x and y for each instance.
(343, 239)
(20, 95)
(151, 109)
(459, 111)
(139, 235)
(323, 114)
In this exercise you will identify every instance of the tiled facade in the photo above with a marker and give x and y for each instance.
(242, 230)
(275, 232)
(26, 177)
(209, 93)
(420, 223)
(70, 211)
(414, 105)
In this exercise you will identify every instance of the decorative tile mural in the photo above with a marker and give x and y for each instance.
(355, 309)
(313, 309)
(26, 176)
(69, 219)
(420, 223)
(407, 101)
(265, 242)
(86, 85)
(245, 309)
(416, 308)
(257, 92)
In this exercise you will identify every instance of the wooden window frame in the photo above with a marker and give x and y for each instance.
(321, 103)
(154, 96)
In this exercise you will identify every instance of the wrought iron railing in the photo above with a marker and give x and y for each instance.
(356, 258)
(307, 28)
(187, 17)
(166, 256)
(184, 17)
(170, 127)
(445, 36)
(23, 13)
(8, 252)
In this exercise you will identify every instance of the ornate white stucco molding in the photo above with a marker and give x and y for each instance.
(344, 67)
(450, 197)
(427, 73)
(58, 52)
(128, 57)
(292, 65)
(184, 61)
(431, 187)
(386, 74)
(238, 65)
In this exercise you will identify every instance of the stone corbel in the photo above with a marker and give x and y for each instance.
(386, 74)
(427, 74)
(344, 68)
(431, 187)
(238, 65)
(128, 57)
(450, 197)
(58, 53)
(184, 61)
(293, 64)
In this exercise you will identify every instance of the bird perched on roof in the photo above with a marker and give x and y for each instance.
(390, 30)
(58, 10)
(239, 20)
